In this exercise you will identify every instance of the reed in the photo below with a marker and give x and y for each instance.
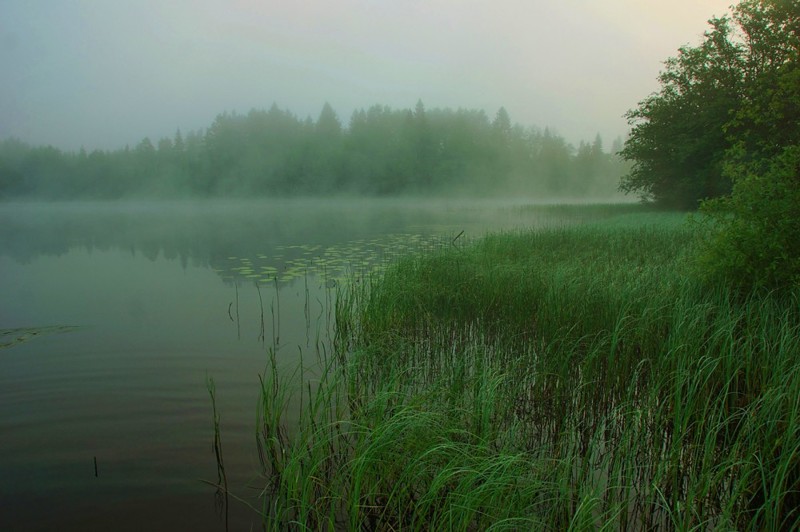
(221, 494)
(567, 378)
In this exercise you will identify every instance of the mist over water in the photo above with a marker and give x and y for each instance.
(163, 295)
(186, 194)
(203, 231)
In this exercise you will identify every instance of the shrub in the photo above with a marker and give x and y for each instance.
(755, 232)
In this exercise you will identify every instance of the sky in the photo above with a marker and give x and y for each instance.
(102, 74)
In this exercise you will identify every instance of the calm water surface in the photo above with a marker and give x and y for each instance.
(163, 296)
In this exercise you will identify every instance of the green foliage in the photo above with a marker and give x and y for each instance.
(268, 153)
(727, 122)
(678, 140)
(615, 394)
(734, 91)
(755, 233)
(755, 237)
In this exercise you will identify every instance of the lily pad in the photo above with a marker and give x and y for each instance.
(12, 337)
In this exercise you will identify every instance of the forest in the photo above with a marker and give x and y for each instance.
(272, 153)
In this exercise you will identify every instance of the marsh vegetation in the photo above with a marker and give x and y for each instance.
(568, 369)
(163, 295)
(572, 378)
(408, 348)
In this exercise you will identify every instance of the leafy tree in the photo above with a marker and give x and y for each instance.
(586, 161)
(422, 143)
(729, 98)
(501, 144)
(226, 146)
(12, 176)
(502, 128)
(768, 118)
(555, 170)
(177, 142)
(196, 163)
(678, 138)
(756, 234)
(328, 123)
(325, 159)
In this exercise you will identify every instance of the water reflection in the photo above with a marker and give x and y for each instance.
(167, 294)
(203, 232)
(210, 232)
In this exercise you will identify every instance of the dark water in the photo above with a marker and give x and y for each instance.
(163, 296)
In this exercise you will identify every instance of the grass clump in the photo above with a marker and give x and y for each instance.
(555, 379)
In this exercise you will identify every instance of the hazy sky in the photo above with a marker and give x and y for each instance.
(106, 73)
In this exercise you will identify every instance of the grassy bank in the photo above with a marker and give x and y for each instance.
(560, 379)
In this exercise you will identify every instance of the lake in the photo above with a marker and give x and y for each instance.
(115, 315)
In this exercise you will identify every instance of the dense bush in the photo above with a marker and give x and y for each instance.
(755, 240)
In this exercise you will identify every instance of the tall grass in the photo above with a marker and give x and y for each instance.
(557, 379)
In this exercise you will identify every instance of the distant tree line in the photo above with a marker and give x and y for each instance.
(274, 153)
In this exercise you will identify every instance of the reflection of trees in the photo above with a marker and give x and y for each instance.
(203, 233)
(277, 237)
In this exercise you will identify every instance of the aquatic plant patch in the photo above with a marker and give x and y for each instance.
(12, 337)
